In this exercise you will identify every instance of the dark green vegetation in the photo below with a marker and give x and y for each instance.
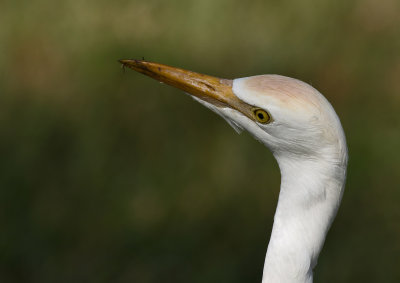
(113, 177)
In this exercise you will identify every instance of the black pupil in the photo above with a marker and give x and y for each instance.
(260, 115)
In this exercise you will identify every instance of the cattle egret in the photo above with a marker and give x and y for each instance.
(303, 132)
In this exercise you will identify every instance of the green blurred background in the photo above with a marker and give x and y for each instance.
(108, 176)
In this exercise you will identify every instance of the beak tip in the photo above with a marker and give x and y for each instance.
(124, 61)
(130, 61)
(133, 64)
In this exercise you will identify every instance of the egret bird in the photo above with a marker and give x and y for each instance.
(302, 130)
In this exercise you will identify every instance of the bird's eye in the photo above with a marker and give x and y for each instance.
(262, 116)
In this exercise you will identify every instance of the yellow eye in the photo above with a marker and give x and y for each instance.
(262, 116)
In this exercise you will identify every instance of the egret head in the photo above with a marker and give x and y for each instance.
(287, 115)
(304, 133)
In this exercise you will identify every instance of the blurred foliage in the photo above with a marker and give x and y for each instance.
(112, 177)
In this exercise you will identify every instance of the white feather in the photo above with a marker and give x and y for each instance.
(308, 142)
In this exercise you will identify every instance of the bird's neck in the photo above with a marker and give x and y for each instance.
(310, 195)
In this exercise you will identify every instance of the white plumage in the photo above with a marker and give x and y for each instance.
(306, 138)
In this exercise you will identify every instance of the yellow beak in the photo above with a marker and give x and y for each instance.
(211, 89)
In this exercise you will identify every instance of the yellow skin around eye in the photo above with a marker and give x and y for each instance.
(262, 116)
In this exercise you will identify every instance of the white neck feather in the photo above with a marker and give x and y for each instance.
(310, 195)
